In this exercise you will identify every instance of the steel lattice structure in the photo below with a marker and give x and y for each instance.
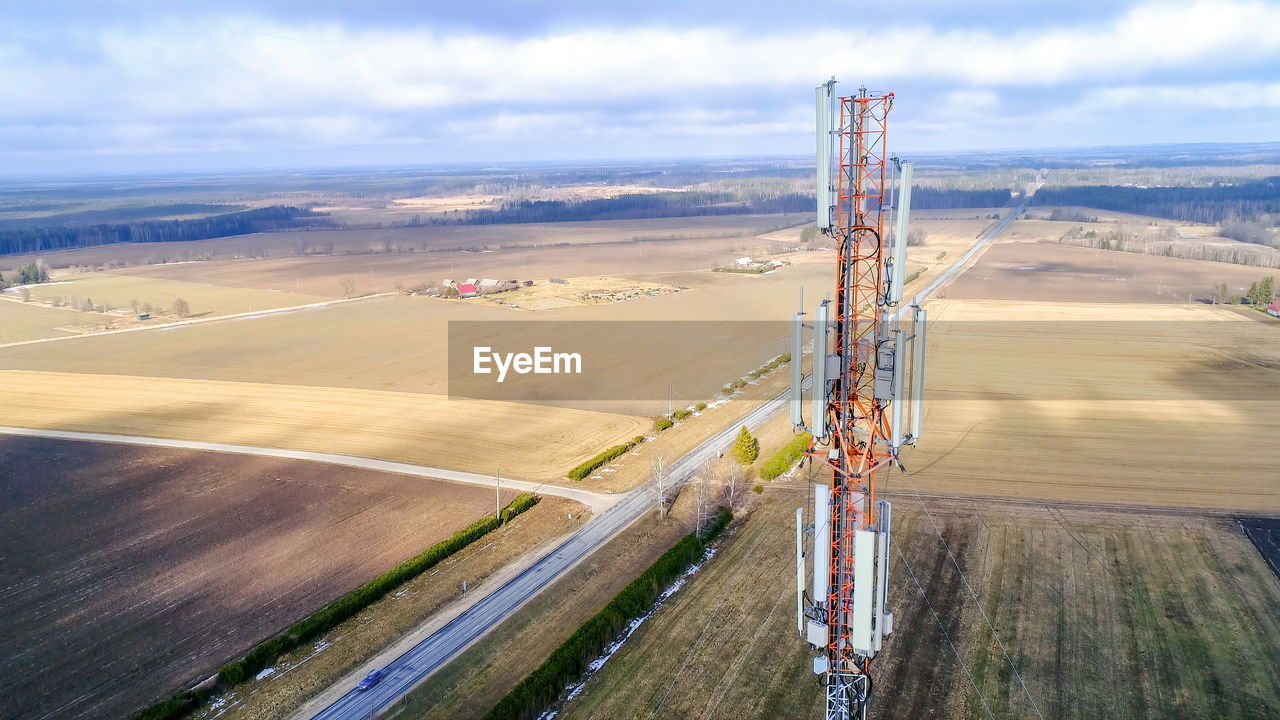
(854, 417)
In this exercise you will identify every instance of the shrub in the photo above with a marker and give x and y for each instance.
(662, 424)
(786, 457)
(568, 662)
(589, 466)
(700, 406)
(681, 414)
(757, 489)
(178, 706)
(637, 440)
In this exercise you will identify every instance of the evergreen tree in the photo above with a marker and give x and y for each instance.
(746, 448)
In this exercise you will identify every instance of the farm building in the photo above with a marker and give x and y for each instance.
(1274, 308)
(743, 262)
(466, 290)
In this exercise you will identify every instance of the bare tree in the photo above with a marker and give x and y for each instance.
(181, 308)
(733, 481)
(348, 286)
(660, 485)
(25, 293)
(702, 494)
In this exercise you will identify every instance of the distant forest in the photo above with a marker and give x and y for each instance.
(1215, 204)
(688, 204)
(66, 237)
(933, 199)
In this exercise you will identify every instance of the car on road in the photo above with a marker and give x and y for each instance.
(371, 679)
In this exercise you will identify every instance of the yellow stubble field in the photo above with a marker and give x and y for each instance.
(526, 441)
(1147, 404)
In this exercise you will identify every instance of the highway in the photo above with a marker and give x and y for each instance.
(413, 666)
(439, 648)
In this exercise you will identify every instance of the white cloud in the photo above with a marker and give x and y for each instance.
(244, 84)
(1190, 99)
(248, 65)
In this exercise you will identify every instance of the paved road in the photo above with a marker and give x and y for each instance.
(446, 643)
(435, 651)
(598, 502)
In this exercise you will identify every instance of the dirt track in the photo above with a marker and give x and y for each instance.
(130, 572)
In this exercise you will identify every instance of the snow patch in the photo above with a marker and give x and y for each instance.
(265, 673)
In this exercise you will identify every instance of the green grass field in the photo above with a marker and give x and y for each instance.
(1105, 614)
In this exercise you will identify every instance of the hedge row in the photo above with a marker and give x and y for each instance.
(740, 383)
(786, 457)
(601, 458)
(568, 662)
(336, 612)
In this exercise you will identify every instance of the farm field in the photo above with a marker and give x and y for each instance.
(131, 572)
(432, 430)
(416, 239)
(1101, 611)
(202, 298)
(21, 321)
(381, 272)
(1061, 273)
(1101, 402)
(399, 343)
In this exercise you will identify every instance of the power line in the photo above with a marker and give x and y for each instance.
(903, 559)
(974, 595)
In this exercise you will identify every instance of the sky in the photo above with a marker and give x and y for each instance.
(202, 85)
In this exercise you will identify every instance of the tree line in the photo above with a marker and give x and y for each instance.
(66, 237)
(1213, 204)
(690, 204)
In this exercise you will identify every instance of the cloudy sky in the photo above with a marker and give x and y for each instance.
(156, 84)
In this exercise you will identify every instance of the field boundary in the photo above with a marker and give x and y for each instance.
(332, 614)
(595, 501)
(197, 321)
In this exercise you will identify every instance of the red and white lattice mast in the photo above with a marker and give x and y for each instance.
(859, 400)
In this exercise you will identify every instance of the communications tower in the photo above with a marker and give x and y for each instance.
(861, 412)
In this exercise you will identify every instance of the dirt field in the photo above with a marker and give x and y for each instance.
(417, 239)
(525, 441)
(399, 343)
(203, 299)
(21, 321)
(1103, 613)
(370, 273)
(1101, 402)
(130, 572)
(1051, 272)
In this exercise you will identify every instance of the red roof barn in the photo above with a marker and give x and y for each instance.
(1274, 308)
(466, 290)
